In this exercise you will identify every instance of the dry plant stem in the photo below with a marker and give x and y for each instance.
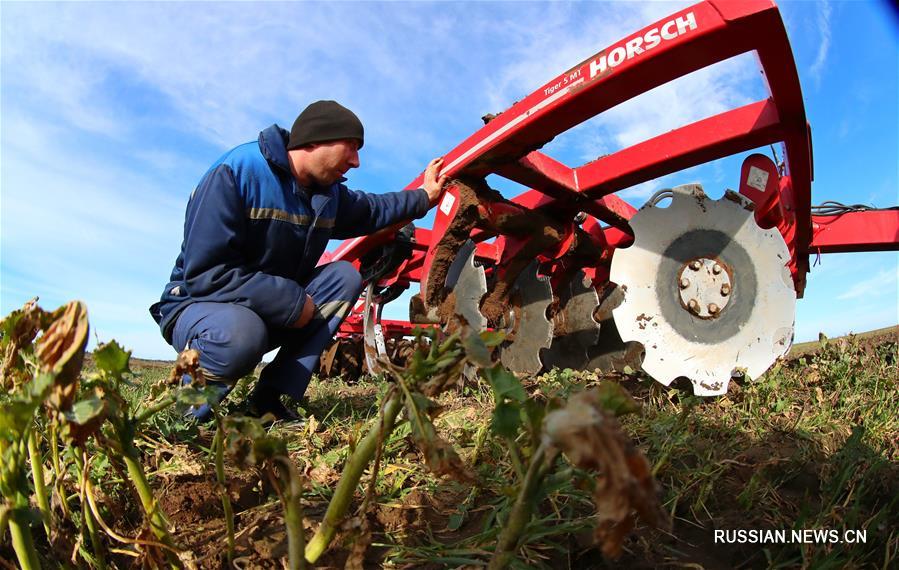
(22, 543)
(515, 457)
(219, 446)
(37, 475)
(57, 471)
(7, 565)
(411, 401)
(520, 515)
(349, 480)
(144, 414)
(293, 514)
(87, 514)
(92, 502)
(158, 523)
(376, 468)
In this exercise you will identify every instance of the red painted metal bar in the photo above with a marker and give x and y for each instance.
(782, 78)
(424, 236)
(685, 42)
(389, 328)
(730, 132)
(543, 173)
(548, 176)
(678, 45)
(871, 230)
(689, 40)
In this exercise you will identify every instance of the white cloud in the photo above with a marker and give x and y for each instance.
(641, 191)
(112, 111)
(75, 195)
(535, 54)
(822, 19)
(884, 282)
(76, 226)
(850, 318)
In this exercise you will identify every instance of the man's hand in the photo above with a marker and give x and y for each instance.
(305, 314)
(433, 182)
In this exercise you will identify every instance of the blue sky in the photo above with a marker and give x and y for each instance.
(111, 112)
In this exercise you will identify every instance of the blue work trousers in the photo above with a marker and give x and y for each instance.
(232, 339)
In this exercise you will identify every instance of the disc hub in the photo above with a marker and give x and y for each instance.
(705, 286)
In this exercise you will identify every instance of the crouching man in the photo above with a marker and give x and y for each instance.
(246, 281)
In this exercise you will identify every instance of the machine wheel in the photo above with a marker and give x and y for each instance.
(574, 326)
(707, 292)
(527, 328)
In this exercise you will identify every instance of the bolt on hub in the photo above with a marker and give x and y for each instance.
(705, 287)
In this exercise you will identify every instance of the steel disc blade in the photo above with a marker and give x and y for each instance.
(531, 331)
(575, 330)
(610, 353)
(373, 337)
(469, 285)
(706, 290)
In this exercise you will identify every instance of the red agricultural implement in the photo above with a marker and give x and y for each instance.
(686, 286)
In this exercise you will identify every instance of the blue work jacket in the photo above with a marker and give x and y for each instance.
(252, 235)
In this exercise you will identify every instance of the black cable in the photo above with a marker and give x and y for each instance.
(834, 208)
(659, 196)
(827, 208)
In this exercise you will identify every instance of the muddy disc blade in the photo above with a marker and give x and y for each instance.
(610, 353)
(469, 285)
(529, 331)
(575, 330)
(706, 290)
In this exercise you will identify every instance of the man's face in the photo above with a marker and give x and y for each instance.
(331, 160)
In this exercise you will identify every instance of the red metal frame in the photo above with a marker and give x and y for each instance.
(875, 230)
(693, 38)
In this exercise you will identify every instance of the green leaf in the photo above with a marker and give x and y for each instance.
(506, 419)
(493, 338)
(615, 399)
(26, 515)
(40, 386)
(477, 350)
(533, 413)
(448, 359)
(191, 396)
(8, 325)
(423, 403)
(85, 410)
(14, 418)
(504, 384)
(268, 447)
(455, 521)
(112, 359)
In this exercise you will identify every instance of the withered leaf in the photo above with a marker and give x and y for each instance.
(476, 349)
(248, 443)
(60, 350)
(361, 540)
(17, 332)
(591, 438)
(188, 362)
(440, 457)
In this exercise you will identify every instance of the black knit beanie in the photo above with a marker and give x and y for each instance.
(325, 121)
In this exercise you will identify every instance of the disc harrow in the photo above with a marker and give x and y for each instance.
(685, 287)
